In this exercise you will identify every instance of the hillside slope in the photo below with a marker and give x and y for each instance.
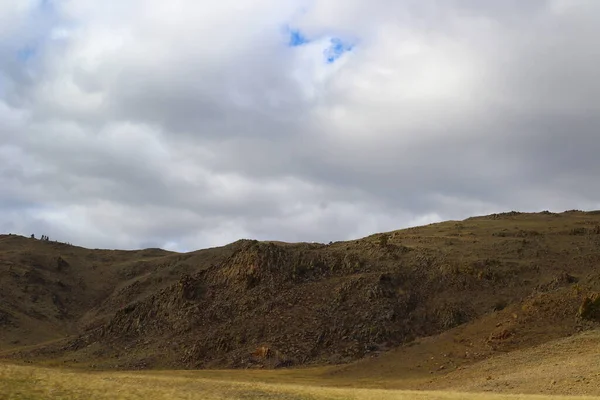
(490, 284)
(50, 290)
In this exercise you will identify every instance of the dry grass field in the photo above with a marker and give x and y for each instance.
(32, 383)
(555, 370)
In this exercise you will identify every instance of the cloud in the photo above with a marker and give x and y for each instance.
(184, 125)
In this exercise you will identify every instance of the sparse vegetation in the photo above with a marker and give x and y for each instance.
(33, 383)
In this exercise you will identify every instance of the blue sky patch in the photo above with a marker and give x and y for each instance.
(333, 47)
(47, 5)
(25, 54)
(336, 49)
(297, 38)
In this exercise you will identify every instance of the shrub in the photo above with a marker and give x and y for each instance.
(450, 316)
(500, 305)
(384, 240)
(578, 231)
(590, 307)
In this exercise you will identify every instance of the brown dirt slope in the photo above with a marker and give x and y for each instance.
(470, 290)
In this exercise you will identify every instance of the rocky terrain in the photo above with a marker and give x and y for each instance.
(471, 289)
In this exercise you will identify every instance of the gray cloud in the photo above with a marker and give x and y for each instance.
(182, 125)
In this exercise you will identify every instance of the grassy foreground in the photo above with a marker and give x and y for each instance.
(32, 383)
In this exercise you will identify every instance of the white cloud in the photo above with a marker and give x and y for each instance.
(185, 124)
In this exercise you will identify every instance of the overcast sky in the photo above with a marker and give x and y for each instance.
(185, 124)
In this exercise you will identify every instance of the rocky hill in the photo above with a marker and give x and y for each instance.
(493, 283)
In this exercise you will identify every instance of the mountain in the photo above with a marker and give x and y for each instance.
(469, 289)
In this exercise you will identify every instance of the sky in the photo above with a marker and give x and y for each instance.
(190, 124)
